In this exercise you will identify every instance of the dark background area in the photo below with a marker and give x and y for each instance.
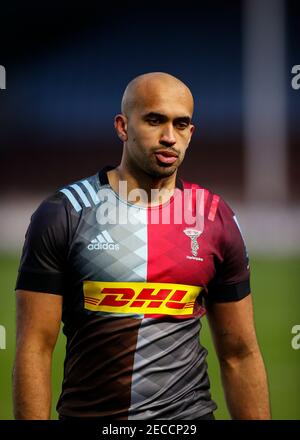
(67, 68)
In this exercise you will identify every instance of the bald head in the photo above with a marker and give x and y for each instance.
(144, 89)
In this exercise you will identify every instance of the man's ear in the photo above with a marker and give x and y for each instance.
(192, 129)
(120, 124)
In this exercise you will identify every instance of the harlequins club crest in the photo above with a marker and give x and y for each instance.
(193, 234)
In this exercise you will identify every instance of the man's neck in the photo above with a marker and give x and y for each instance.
(153, 191)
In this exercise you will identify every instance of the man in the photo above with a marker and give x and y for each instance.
(130, 286)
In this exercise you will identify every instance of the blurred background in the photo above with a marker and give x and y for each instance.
(66, 70)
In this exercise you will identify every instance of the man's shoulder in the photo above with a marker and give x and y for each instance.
(69, 199)
(81, 193)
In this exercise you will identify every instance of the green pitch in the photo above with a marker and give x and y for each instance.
(277, 310)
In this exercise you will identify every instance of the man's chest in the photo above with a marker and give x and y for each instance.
(139, 251)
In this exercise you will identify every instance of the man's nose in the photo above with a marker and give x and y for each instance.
(168, 136)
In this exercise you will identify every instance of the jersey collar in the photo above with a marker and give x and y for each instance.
(103, 179)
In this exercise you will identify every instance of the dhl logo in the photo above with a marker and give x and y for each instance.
(140, 298)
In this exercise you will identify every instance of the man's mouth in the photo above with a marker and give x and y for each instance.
(166, 156)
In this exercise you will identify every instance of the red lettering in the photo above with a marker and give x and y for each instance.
(178, 295)
(112, 296)
(147, 294)
(173, 305)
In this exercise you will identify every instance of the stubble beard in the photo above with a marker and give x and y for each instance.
(159, 171)
(151, 167)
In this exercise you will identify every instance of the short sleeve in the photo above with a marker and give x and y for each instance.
(232, 279)
(43, 260)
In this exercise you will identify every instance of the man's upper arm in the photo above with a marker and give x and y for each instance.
(38, 319)
(40, 282)
(229, 302)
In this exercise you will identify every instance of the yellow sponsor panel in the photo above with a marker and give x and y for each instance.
(140, 298)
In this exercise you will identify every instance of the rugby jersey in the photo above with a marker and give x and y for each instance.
(134, 282)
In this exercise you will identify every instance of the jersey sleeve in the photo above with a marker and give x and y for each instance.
(232, 279)
(44, 254)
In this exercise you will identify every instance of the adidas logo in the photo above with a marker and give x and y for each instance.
(103, 241)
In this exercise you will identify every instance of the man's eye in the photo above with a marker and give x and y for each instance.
(182, 125)
(154, 121)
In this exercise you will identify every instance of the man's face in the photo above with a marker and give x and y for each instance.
(159, 130)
